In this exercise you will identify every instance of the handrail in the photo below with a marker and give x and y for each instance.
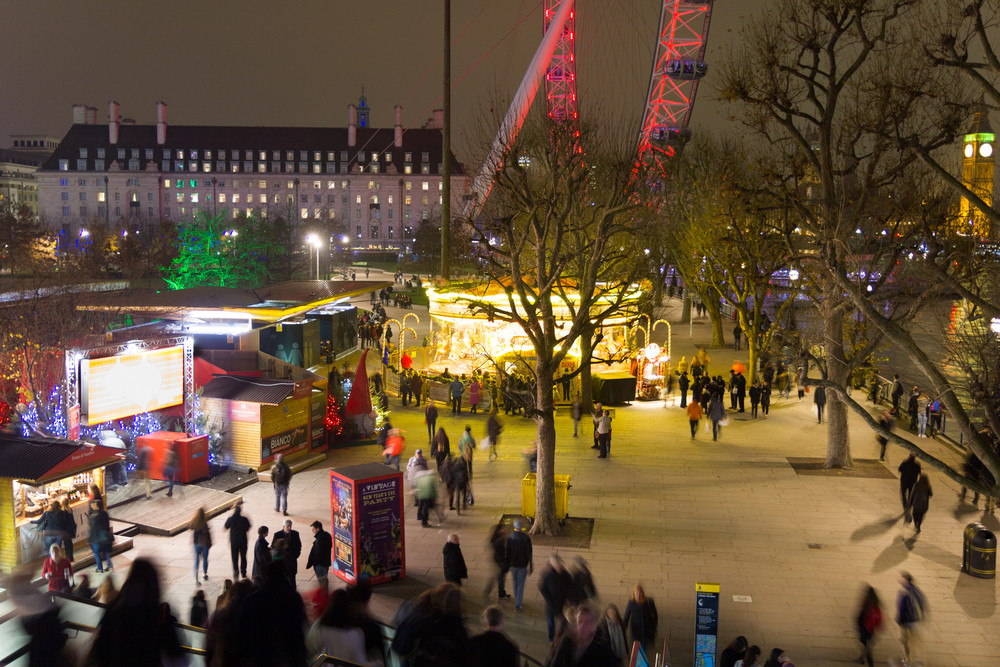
(387, 641)
(325, 659)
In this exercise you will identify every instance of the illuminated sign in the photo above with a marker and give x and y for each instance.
(706, 624)
(131, 383)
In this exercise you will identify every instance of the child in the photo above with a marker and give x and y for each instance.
(199, 610)
(454, 561)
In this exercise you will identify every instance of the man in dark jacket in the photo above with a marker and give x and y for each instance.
(909, 473)
(741, 390)
(281, 478)
(238, 527)
(819, 398)
(454, 561)
(517, 556)
(683, 383)
(319, 554)
(556, 587)
(293, 548)
(492, 648)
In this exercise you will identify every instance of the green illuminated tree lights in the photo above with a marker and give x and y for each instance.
(214, 250)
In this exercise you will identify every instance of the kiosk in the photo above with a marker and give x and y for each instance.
(367, 506)
(35, 471)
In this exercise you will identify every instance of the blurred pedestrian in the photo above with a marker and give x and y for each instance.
(454, 561)
(138, 628)
(100, 537)
(819, 398)
(170, 467)
(416, 464)
(885, 421)
(497, 542)
(611, 631)
(920, 500)
(441, 448)
(238, 527)
(580, 648)
(201, 538)
(556, 587)
(753, 654)
(911, 609)
(694, 414)
(430, 418)
(736, 650)
(68, 529)
(518, 557)
(716, 413)
(583, 581)
(869, 620)
(909, 473)
(142, 465)
(199, 610)
(493, 428)
(641, 618)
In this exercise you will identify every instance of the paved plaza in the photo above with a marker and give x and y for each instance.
(790, 551)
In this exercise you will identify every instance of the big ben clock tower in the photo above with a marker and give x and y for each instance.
(978, 164)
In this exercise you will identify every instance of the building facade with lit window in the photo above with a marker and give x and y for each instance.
(373, 185)
(18, 166)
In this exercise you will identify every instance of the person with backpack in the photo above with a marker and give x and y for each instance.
(911, 608)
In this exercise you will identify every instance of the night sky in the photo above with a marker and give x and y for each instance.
(301, 63)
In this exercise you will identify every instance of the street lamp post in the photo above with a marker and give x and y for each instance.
(215, 201)
(107, 200)
(314, 241)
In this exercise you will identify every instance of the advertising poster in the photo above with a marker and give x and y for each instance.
(284, 443)
(343, 529)
(380, 529)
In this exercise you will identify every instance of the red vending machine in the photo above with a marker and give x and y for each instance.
(367, 506)
(192, 454)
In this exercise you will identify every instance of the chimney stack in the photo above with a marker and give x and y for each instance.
(91, 115)
(399, 127)
(161, 123)
(79, 114)
(352, 125)
(113, 122)
(439, 119)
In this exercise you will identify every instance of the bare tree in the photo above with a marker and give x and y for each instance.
(557, 233)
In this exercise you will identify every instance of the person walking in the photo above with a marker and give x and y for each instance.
(441, 448)
(416, 463)
(575, 412)
(909, 473)
(737, 333)
(920, 500)
(261, 553)
(456, 389)
(394, 444)
(800, 381)
(765, 399)
(556, 587)
(201, 538)
(320, 553)
(694, 414)
(741, 390)
(641, 618)
(238, 527)
(454, 562)
(293, 548)
(911, 609)
(281, 478)
(50, 525)
(425, 489)
(716, 413)
(581, 646)
(493, 428)
(416, 387)
(498, 541)
(67, 528)
(518, 559)
(493, 648)
(170, 468)
(683, 382)
(868, 621)
(142, 463)
(604, 435)
(819, 398)
(733, 386)
(430, 418)
(885, 421)
(101, 537)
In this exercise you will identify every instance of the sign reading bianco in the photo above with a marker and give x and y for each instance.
(286, 441)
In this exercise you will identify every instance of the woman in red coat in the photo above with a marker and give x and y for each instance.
(58, 570)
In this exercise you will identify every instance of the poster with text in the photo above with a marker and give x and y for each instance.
(380, 529)
(343, 529)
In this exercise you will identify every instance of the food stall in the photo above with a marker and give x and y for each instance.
(259, 417)
(35, 471)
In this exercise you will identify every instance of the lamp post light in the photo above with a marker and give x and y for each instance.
(215, 201)
(107, 200)
(314, 241)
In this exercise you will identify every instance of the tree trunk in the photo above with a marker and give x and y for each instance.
(712, 307)
(686, 308)
(586, 349)
(838, 446)
(545, 492)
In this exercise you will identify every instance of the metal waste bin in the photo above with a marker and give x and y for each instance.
(979, 552)
(528, 495)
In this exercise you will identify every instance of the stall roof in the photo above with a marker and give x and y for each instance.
(249, 390)
(38, 459)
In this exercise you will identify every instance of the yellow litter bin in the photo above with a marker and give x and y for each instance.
(528, 495)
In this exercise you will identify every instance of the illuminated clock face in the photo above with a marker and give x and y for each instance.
(969, 150)
(986, 150)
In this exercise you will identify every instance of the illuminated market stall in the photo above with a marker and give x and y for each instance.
(468, 334)
(36, 471)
